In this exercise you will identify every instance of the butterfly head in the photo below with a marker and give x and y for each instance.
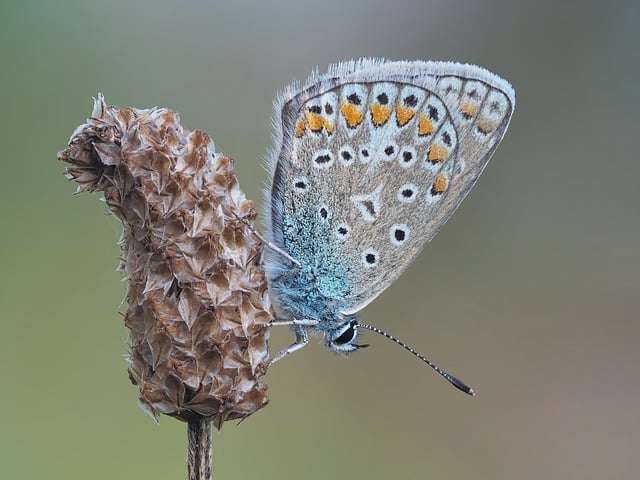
(342, 338)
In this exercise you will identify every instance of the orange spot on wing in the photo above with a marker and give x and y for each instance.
(327, 126)
(352, 114)
(299, 128)
(437, 153)
(440, 185)
(379, 114)
(315, 121)
(468, 109)
(404, 114)
(425, 125)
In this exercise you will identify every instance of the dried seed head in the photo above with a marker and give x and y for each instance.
(197, 298)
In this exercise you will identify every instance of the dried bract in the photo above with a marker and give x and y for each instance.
(197, 298)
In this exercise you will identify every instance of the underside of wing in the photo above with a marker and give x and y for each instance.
(371, 160)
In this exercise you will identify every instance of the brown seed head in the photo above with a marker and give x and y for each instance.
(197, 298)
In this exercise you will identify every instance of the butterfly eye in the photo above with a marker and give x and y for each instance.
(346, 334)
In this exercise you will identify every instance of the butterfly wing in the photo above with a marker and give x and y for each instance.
(370, 160)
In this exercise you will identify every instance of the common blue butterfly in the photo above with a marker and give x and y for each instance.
(369, 161)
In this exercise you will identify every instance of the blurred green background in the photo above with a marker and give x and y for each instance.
(529, 293)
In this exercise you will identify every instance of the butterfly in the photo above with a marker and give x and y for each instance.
(368, 161)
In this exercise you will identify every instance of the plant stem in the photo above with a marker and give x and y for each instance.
(200, 456)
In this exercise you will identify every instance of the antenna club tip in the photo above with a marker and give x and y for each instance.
(450, 378)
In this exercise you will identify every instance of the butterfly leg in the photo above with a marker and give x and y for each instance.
(276, 249)
(302, 338)
(269, 244)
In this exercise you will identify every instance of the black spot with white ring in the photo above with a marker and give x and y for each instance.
(390, 152)
(399, 233)
(370, 258)
(301, 185)
(407, 156)
(407, 193)
(324, 213)
(364, 154)
(342, 231)
(323, 159)
(346, 156)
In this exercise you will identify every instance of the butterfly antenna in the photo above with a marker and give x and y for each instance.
(450, 378)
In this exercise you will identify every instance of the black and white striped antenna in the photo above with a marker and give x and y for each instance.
(460, 385)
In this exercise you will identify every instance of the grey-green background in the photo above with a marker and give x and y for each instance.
(529, 293)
